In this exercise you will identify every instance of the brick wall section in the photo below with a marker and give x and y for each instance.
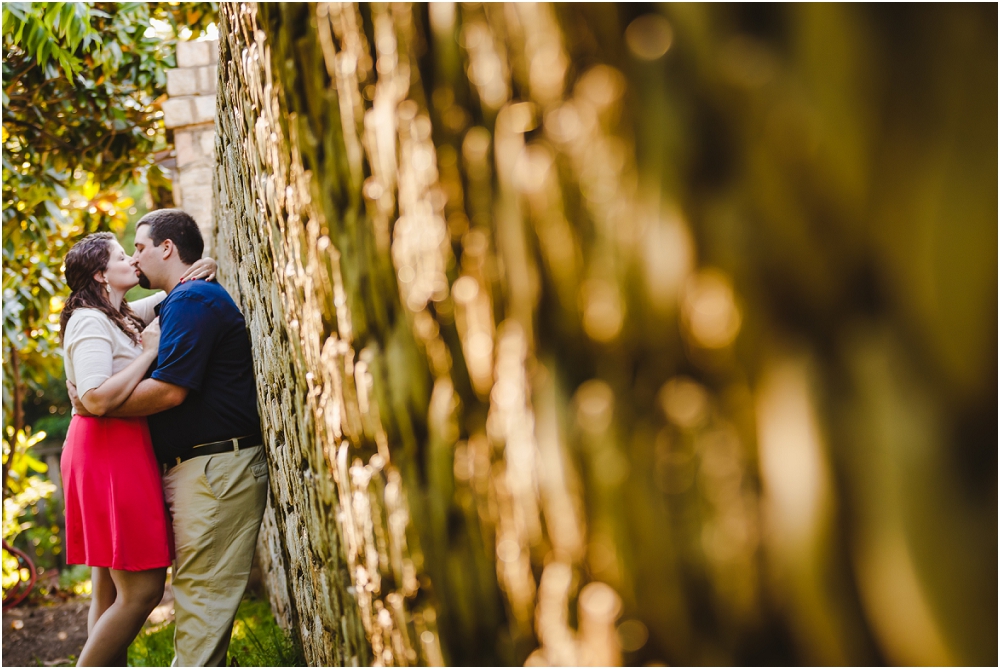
(190, 112)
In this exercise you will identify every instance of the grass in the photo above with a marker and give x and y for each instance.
(257, 641)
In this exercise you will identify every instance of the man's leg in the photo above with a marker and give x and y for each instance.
(217, 503)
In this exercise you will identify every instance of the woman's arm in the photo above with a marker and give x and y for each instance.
(116, 389)
(145, 308)
(107, 396)
(203, 268)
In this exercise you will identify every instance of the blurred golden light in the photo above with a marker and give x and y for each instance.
(372, 189)
(710, 311)
(465, 289)
(476, 144)
(649, 37)
(563, 123)
(547, 72)
(532, 169)
(792, 466)
(521, 117)
(551, 621)
(594, 401)
(602, 310)
(632, 635)
(480, 345)
(599, 606)
(601, 85)
(720, 457)
(684, 401)
(442, 17)
(599, 602)
(668, 254)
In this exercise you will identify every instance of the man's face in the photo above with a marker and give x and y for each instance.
(147, 260)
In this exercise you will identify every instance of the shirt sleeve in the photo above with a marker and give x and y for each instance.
(145, 307)
(188, 330)
(91, 350)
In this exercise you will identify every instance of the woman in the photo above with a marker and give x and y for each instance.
(115, 516)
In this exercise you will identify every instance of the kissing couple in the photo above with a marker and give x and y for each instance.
(163, 463)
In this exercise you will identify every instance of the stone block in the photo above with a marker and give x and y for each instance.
(175, 189)
(181, 82)
(194, 177)
(204, 108)
(206, 140)
(195, 54)
(198, 203)
(179, 112)
(207, 78)
(187, 147)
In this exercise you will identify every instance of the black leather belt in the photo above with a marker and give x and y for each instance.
(215, 447)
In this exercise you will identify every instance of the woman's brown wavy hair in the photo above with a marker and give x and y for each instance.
(89, 256)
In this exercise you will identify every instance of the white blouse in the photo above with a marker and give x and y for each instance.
(94, 348)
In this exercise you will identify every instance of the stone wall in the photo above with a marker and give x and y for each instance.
(190, 113)
(589, 333)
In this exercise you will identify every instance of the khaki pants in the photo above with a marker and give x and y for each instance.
(216, 503)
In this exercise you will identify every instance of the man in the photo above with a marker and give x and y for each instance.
(202, 407)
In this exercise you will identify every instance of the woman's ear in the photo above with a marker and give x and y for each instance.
(99, 277)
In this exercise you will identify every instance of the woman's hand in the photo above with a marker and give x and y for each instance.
(151, 337)
(75, 400)
(202, 269)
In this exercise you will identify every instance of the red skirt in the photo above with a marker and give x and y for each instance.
(115, 515)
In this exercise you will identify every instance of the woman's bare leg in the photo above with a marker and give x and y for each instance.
(102, 595)
(138, 594)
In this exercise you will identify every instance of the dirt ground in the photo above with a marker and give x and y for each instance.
(52, 633)
(44, 635)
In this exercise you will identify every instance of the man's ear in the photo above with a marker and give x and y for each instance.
(167, 248)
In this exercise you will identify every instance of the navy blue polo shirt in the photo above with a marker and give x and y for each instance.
(204, 347)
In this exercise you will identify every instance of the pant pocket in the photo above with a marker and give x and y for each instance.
(259, 470)
(217, 476)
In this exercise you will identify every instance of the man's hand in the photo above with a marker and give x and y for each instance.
(201, 269)
(75, 401)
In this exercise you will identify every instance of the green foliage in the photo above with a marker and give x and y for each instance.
(257, 641)
(27, 490)
(74, 578)
(81, 119)
(52, 32)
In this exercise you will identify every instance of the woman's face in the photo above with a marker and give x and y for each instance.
(120, 274)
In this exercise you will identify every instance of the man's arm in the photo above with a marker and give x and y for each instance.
(149, 397)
